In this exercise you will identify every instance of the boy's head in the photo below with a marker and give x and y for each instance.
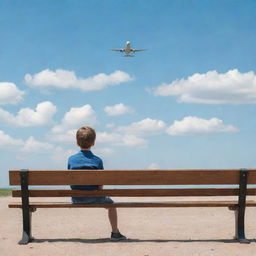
(85, 137)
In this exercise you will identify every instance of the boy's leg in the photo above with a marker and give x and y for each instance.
(112, 215)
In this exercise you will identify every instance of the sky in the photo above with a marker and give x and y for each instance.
(188, 101)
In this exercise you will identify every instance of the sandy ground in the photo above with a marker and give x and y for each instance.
(151, 231)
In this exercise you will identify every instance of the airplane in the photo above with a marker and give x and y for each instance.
(128, 51)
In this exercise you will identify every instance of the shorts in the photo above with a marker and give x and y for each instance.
(92, 200)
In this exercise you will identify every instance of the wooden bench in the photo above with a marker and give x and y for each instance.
(241, 178)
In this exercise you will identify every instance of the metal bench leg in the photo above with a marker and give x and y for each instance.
(240, 209)
(26, 212)
(26, 234)
(239, 226)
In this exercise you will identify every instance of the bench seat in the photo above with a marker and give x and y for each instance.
(135, 204)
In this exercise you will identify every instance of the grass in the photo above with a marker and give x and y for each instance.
(5, 192)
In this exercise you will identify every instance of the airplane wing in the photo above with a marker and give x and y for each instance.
(117, 50)
(138, 50)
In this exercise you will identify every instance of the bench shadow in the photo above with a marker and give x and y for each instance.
(132, 240)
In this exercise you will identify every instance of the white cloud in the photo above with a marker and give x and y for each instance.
(212, 87)
(9, 93)
(105, 137)
(191, 125)
(26, 117)
(61, 135)
(146, 126)
(60, 155)
(154, 166)
(132, 141)
(65, 79)
(80, 116)
(55, 153)
(7, 140)
(114, 139)
(32, 145)
(120, 139)
(24, 148)
(118, 109)
(131, 135)
(73, 120)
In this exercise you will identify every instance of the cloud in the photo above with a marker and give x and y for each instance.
(31, 145)
(24, 148)
(119, 139)
(10, 94)
(80, 116)
(154, 166)
(105, 137)
(60, 155)
(118, 109)
(61, 135)
(191, 125)
(130, 135)
(132, 141)
(26, 117)
(65, 79)
(7, 140)
(146, 126)
(212, 87)
(73, 120)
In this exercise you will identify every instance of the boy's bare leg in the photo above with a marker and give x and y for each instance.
(112, 215)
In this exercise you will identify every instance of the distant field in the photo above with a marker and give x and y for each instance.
(5, 192)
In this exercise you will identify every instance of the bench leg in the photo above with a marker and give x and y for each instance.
(239, 225)
(240, 208)
(26, 210)
(26, 234)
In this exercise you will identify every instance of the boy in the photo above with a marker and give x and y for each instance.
(85, 159)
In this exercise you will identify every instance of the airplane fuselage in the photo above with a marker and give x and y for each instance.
(128, 51)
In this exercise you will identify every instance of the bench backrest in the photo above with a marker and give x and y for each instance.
(135, 177)
(132, 177)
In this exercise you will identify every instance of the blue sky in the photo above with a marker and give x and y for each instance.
(186, 102)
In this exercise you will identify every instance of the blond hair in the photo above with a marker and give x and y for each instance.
(85, 137)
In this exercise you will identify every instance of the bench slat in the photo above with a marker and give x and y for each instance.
(135, 192)
(135, 204)
(131, 177)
